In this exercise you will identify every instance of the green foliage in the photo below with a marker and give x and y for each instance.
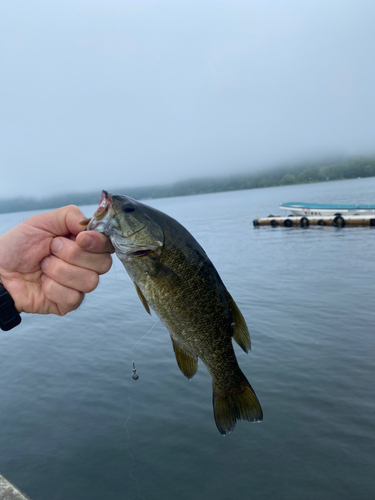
(288, 179)
(297, 174)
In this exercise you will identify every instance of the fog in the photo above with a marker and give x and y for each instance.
(100, 93)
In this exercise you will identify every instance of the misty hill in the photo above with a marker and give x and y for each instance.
(301, 174)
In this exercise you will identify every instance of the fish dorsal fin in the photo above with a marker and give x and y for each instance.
(142, 297)
(240, 332)
(187, 362)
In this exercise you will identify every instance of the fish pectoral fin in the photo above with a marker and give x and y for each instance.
(240, 331)
(156, 269)
(142, 297)
(187, 362)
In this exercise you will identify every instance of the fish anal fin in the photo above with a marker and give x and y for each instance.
(142, 298)
(187, 362)
(237, 403)
(240, 331)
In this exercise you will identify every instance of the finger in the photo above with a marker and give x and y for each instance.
(68, 275)
(94, 242)
(70, 252)
(62, 221)
(65, 299)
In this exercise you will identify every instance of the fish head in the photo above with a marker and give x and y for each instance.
(132, 232)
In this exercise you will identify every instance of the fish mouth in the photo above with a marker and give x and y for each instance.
(104, 205)
(101, 212)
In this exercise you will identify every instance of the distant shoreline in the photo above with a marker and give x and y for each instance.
(283, 176)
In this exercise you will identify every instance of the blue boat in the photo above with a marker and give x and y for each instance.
(327, 210)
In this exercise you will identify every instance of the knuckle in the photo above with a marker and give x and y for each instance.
(48, 286)
(63, 273)
(92, 282)
(62, 313)
(80, 279)
(57, 269)
(73, 300)
(68, 275)
(66, 249)
(98, 263)
(72, 252)
(106, 264)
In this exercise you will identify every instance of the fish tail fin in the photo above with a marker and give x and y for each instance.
(237, 403)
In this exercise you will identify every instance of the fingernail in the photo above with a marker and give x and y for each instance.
(45, 262)
(56, 245)
(87, 241)
(43, 278)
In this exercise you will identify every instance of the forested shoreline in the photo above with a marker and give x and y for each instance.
(282, 176)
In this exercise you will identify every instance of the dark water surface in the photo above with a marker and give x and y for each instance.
(74, 425)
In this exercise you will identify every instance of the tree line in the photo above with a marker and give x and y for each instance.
(282, 176)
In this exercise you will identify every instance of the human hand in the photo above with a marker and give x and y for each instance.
(47, 263)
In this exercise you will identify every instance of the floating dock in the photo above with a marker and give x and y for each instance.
(10, 492)
(304, 222)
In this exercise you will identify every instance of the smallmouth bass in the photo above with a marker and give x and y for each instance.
(173, 276)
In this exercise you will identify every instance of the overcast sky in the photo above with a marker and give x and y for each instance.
(102, 93)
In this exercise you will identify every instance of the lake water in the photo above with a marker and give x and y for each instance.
(75, 426)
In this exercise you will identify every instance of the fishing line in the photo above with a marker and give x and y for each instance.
(134, 377)
(131, 475)
(145, 335)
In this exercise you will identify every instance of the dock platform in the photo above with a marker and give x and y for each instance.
(9, 492)
(305, 222)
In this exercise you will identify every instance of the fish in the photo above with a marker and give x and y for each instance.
(174, 277)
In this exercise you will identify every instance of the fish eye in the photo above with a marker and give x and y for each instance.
(128, 207)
